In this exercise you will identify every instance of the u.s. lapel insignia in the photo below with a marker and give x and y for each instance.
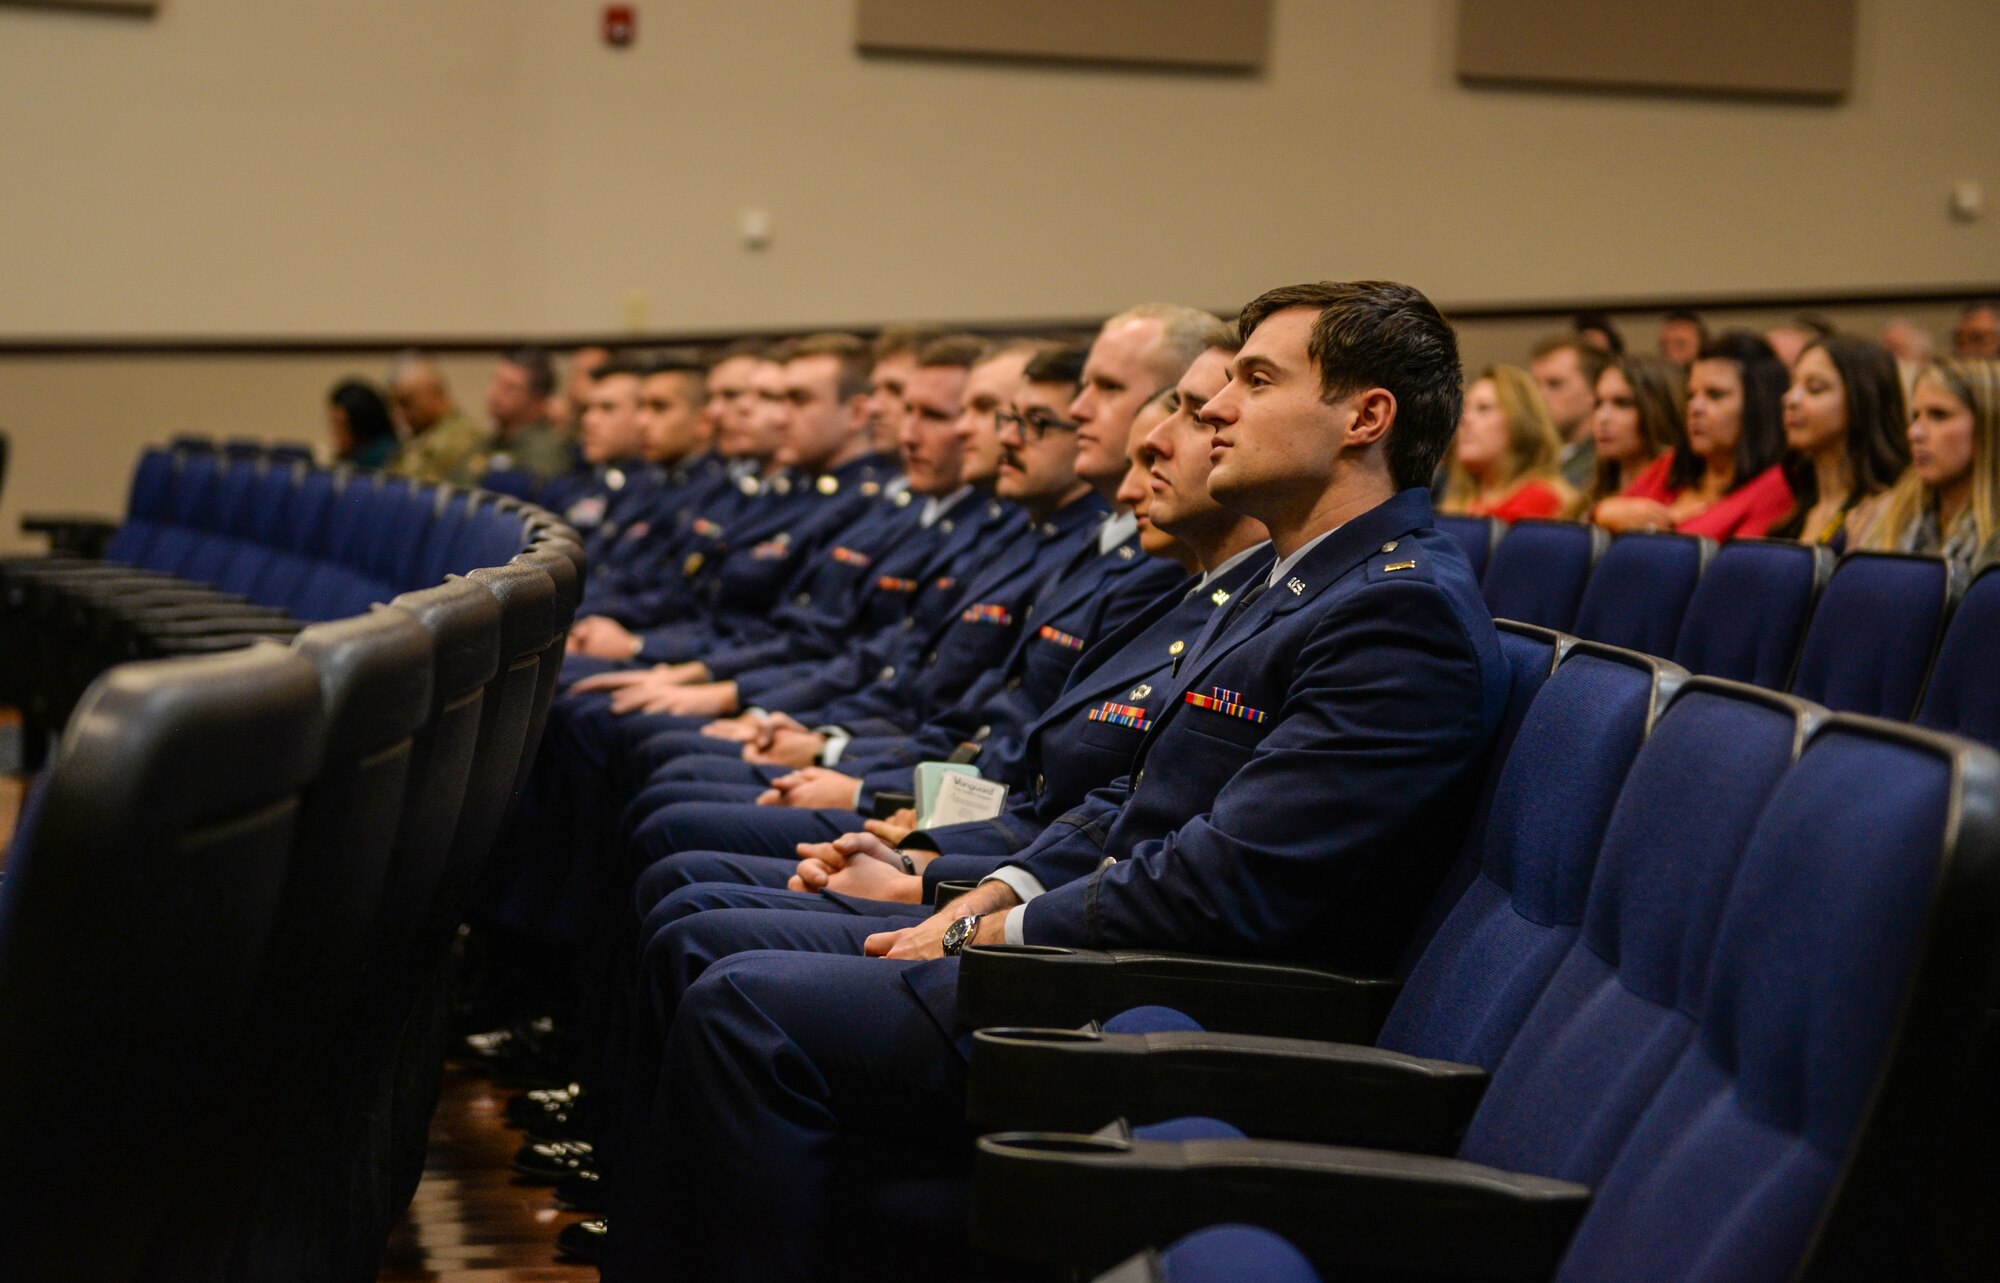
(1140, 691)
(1219, 596)
(1296, 584)
(827, 485)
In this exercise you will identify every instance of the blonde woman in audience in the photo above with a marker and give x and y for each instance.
(1641, 403)
(1505, 460)
(1728, 480)
(1949, 501)
(1846, 435)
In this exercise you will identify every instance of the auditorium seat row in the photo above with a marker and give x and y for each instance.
(1704, 996)
(227, 915)
(1894, 635)
(220, 546)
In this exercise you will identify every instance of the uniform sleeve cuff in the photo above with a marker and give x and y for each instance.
(1016, 879)
(837, 741)
(1011, 924)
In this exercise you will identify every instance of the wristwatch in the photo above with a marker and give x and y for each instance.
(959, 934)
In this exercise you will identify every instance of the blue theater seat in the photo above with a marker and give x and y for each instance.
(1639, 591)
(1538, 572)
(1963, 694)
(136, 913)
(1477, 535)
(1749, 613)
(1872, 636)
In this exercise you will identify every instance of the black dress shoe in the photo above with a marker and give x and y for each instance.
(581, 1191)
(583, 1241)
(548, 1162)
(524, 1109)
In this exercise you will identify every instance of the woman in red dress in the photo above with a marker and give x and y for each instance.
(1728, 482)
(1641, 405)
(1505, 456)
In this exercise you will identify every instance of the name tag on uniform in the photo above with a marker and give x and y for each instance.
(705, 528)
(1068, 641)
(987, 614)
(771, 549)
(889, 583)
(1121, 715)
(1227, 702)
(849, 557)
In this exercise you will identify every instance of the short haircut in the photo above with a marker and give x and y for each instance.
(891, 340)
(1185, 333)
(854, 357)
(1692, 318)
(1761, 442)
(687, 363)
(618, 366)
(535, 362)
(957, 351)
(1591, 360)
(1603, 324)
(1379, 334)
(741, 350)
(1060, 363)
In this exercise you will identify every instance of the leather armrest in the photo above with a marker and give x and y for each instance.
(1273, 1088)
(888, 802)
(1046, 987)
(83, 536)
(1087, 1202)
(945, 892)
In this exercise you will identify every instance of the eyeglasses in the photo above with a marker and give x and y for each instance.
(1035, 425)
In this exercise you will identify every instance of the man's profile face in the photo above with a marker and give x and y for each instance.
(928, 441)
(1038, 466)
(1569, 395)
(729, 399)
(888, 385)
(988, 387)
(1272, 433)
(510, 399)
(757, 428)
(669, 420)
(1135, 491)
(1178, 448)
(611, 420)
(1977, 333)
(1119, 376)
(421, 400)
(815, 419)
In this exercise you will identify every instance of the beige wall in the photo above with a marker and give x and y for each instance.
(380, 168)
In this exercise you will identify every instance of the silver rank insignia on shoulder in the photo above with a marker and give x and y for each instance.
(1296, 584)
(827, 485)
(1219, 596)
(1140, 691)
(1125, 553)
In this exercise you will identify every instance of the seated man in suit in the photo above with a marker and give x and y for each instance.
(1296, 797)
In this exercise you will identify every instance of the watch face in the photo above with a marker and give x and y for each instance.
(958, 933)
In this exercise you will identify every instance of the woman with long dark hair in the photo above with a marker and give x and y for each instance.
(357, 418)
(1847, 436)
(1641, 403)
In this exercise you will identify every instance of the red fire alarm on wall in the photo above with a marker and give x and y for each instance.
(621, 25)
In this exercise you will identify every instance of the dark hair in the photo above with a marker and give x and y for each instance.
(1591, 361)
(1815, 324)
(1761, 441)
(367, 413)
(1378, 334)
(1601, 322)
(1659, 394)
(952, 351)
(686, 362)
(1878, 444)
(752, 349)
(1692, 318)
(1060, 363)
(535, 363)
(853, 355)
(891, 340)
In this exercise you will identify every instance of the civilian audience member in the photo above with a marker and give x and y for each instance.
(1641, 405)
(1727, 482)
(517, 400)
(1845, 433)
(1790, 339)
(1949, 501)
(1978, 330)
(1566, 371)
(1681, 335)
(1595, 329)
(1505, 464)
(357, 418)
(440, 437)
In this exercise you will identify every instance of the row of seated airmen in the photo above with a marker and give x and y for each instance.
(1180, 592)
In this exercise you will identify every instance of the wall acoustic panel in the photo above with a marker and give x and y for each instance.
(1228, 35)
(1765, 48)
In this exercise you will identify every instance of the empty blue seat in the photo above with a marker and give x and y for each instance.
(1874, 631)
(190, 498)
(145, 508)
(1639, 591)
(1477, 535)
(1538, 572)
(1963, 694)
(1749, 613)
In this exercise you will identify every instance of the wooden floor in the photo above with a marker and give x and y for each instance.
(471, 1223)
